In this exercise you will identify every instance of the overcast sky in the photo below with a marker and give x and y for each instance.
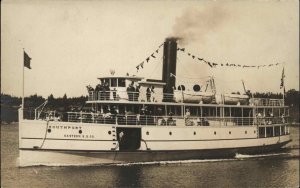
(71, 43)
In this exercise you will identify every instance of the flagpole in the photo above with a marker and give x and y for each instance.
(283, 77)
(23, 83)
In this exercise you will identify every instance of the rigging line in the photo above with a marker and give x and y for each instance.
(155, 52)
(154, 69)
(194, 78)
(179, 61)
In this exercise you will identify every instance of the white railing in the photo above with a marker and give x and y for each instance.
(266, 102)
(129, 96)
(172, 121)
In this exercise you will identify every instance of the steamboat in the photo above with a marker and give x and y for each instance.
(133, 119)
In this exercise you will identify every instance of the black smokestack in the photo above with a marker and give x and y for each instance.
(169, 64)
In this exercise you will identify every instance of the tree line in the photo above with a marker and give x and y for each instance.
(11, 104)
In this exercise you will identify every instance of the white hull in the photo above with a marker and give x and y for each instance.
(64, 145)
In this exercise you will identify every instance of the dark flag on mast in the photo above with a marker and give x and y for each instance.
(27, 60)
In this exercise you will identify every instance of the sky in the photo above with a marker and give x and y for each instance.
(72, 43)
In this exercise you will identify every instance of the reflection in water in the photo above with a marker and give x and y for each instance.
(128, 176)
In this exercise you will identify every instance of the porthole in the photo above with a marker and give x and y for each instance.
(229, 132)
(196, 87)
(80, 131)
(170, 133)
(147, 133)
(245, 132)
(215, 133)
(194, 132)
(49, 130)
(181, 87)
(254, 132)
(109, 132)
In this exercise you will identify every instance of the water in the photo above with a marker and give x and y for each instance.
(268, 170)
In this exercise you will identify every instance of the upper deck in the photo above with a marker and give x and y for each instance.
(125, 97)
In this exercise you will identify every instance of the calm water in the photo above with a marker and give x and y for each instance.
(272, 170)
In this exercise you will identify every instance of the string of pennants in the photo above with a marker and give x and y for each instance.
(152, 56)
(213, 65)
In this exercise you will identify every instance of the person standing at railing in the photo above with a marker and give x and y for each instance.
(259, 118)
(283, 118)
(106, 91)
(98, 91)
(188, 121)
(152, 93)
(148, 94)
(130, 89)
(137, 93)
(114, 94)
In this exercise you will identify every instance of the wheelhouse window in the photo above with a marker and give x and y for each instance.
(114, 82)
(121, 82)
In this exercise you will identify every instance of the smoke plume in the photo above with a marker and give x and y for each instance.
(194, 23)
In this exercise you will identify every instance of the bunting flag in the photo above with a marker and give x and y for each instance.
(27, 60)
(211, 64)
(282, 79)
(141, 65)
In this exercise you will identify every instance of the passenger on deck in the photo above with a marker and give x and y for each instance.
(130, 91)
(188, 121)
(137, 93)
(170, 120)
(106, 91)
(114, 94)
(148, 94)
(152, 93)
(98, 90)
(282, 118)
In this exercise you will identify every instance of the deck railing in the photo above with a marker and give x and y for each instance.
(129, 96)
(266, 102)
(160, 97)
(171, 121)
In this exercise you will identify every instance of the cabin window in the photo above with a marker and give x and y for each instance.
(194, 132)
(114, 82)
(196, 88)
(193, 110)
(175, 110)
(226, 112)
(109, 132)
(121, 82)
(261, 132)
(277, 130)
(215, 133)
(106, 80)
(269, 131)
(170, 133)
(147, 133)
(229, 132)
(282, 130)
(181, 87)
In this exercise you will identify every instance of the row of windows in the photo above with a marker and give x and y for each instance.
(215, 132)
